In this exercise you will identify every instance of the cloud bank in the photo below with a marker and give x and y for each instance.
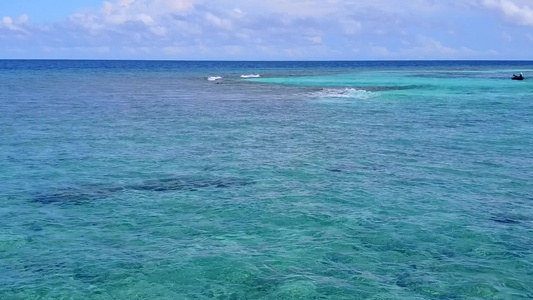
(515, 11)
(277, 29)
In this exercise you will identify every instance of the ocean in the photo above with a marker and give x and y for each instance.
(313, 180)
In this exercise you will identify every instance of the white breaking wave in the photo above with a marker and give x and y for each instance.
(251, 76)
(213, 78)
(345, 93)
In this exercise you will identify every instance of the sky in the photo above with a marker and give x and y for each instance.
(267, 29)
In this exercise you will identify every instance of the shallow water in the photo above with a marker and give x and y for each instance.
(318, 180)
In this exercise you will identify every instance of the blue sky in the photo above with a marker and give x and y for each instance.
(267, 29)
(43, 10)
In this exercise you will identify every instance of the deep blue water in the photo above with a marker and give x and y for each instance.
(318, 180)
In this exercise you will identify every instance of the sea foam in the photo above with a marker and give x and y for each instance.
(344, 93)
(213, 78)
(251, 76)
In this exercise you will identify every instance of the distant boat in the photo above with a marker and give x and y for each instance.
(520, 77)
(251, 76)
(214, 78)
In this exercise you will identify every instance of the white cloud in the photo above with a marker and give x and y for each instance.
(467, 52)
(238, 12)
(351, 27)
(87, 21)
(136, 50)
(233, 50)
(175, 50)
(315, 39)
(130, 9)
(23, 19)
(380, 51)
(149, 13)
(515, 11)
(16, 25)
(429, 45)
(158, 30)
(428, 48)
(506, 36)
(77, 50)
(300, 7)
(293, 53)
(218, 22)
(275, 28)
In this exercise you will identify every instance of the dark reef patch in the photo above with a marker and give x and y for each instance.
(71, 195)
(505, 220)
(187, 184)
(80, 195)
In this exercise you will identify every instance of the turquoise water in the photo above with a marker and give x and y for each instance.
(319, 180)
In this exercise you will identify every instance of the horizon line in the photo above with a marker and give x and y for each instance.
(254, 60)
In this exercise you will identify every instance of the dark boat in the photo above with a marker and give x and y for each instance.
(521, 77)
